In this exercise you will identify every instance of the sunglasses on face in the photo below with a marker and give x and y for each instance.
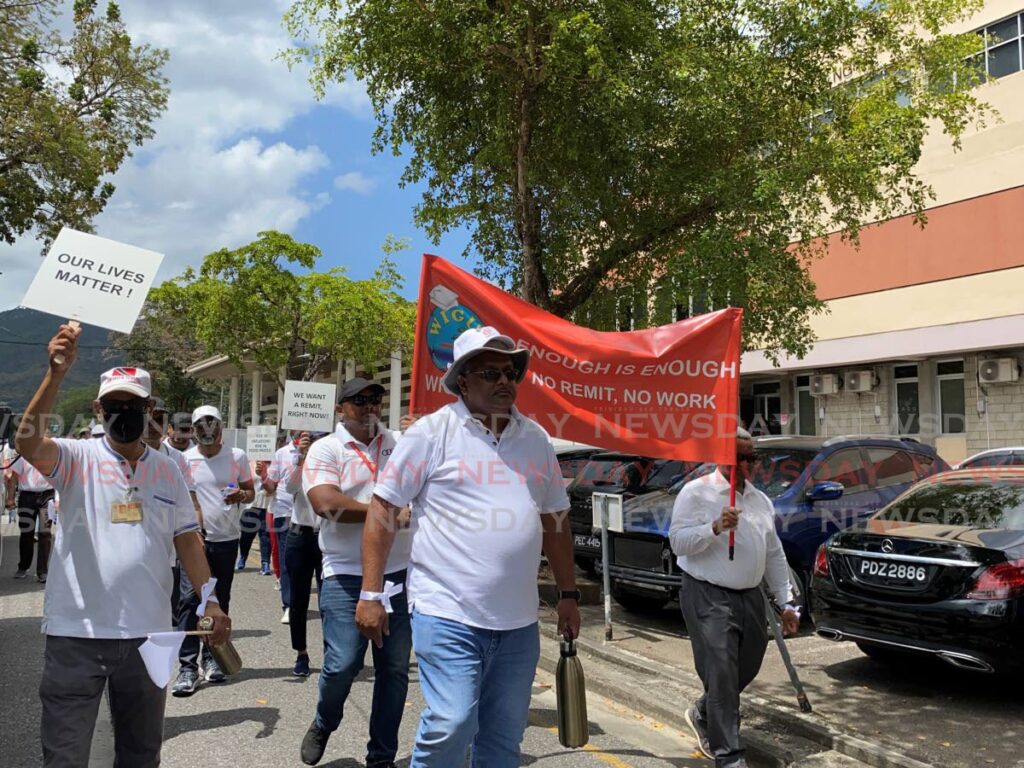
(360, 400)
(136, 405)
(493, 375)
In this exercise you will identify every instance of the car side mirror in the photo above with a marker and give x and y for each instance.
(826, 491)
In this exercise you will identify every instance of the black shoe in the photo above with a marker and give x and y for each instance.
(186, 684)
(700, 731)
(313, 745)
(301, 668)
(213, 671)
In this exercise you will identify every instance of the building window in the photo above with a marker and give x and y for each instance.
(1000, 53)
(806, 408)
(950, 377)
(908, 399)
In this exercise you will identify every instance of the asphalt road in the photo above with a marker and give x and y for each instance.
(260, 716)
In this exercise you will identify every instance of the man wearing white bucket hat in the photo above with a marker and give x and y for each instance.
(124, 508)
(488, 497)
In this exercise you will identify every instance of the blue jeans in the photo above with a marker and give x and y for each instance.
(477, 684)
(281, 525)
(253, 524)
(344, 649)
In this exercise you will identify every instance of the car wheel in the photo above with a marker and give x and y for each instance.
(638, 603)
(587, 564)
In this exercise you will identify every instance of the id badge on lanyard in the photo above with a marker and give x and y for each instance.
(129, 509)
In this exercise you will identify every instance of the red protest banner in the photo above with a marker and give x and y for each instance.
(668, 392)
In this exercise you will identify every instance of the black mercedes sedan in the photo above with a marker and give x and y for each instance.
(938, 571)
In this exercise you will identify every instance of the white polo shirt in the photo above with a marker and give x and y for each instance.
(111, 580)
(29, 478)
(280, 469)
(302, 511)
(345, 463)
(210, 477)
(477, 500)
(178, 458)
(705, 556)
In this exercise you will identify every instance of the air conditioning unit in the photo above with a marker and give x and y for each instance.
(1000, 370)
(859, 381)
(824, 384)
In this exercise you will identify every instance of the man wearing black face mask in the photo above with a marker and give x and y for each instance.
(124, 511)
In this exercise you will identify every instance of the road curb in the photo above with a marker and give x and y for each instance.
(780, 715)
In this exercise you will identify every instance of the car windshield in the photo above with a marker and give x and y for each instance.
(776, 469)
(607, 472)
(988, 504)
(667, 471)
(994, 460)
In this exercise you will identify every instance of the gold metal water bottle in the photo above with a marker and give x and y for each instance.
(227, 657)
(571, 692)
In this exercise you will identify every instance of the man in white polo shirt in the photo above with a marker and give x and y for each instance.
(489, 497)
(222, 481)
(286, 459)
(339, 477)
(124, 509)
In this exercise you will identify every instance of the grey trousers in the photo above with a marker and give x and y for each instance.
(75, 672)
(729, 635)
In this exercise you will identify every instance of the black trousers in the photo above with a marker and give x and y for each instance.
(221, 557)
(729, 634)
(254, 523)
(75, 672)
(304, 559)
(32, 507)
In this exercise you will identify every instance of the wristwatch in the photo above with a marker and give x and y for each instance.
(569, 594)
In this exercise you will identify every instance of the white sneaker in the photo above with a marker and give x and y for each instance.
(285, 617)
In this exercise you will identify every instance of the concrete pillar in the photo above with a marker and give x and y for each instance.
(340, 375)
(350, 369)
(283, 374)
(395, 395)
(233, 404)
(257, 395)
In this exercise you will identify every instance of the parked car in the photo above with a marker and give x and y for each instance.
(818, 485)
(996, 457)
(939, 571)
(609, 472)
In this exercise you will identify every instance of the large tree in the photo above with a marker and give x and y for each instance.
(250, 306)
(679, 144)
(71, 110)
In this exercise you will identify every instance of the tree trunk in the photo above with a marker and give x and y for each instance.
(535, 287)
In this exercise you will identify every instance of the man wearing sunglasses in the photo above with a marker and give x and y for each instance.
(124, 510)
(721, 598)
(339, 478)
(489, 498)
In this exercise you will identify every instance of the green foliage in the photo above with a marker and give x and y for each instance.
(71, 110)
(75, 408)
(248, 305)
(603, 145)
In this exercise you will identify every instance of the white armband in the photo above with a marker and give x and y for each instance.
(390, 590)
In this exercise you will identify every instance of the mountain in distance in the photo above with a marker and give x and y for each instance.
(24, 334)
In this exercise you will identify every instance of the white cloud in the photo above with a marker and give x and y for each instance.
(354, 181)
(216, 173)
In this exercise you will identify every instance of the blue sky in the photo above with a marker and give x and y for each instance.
(244, 146)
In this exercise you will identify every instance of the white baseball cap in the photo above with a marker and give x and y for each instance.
(206, 412)
(132, 380)
(475, 341)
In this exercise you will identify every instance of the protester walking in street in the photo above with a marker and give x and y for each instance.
(222, 482)
(34, 493)
(303, 557)
(721, 599)
(489, 498)
(180, 432)
(285, 460)
(339, 480)
(254, 522)
(124, 510)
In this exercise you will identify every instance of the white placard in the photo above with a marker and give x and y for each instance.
(615, 520)
(308, 406)
(261, 442)
(93, 280)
